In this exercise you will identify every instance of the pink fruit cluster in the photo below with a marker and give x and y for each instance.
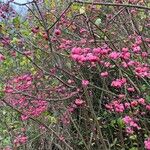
(83, 55)
(121, 105)
(20, 139)
(131, 124)
(18, 84)
(118, 83)
(30, 106)
(6, 10)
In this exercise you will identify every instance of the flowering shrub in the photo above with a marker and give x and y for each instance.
(75, 75)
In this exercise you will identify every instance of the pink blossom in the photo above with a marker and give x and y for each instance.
(92, 58)
(57, 32)
(82, 58)
(85, 83)
(76, 50)
(129, 130)
(62, 138)
(119, 107)
(115, 106)
(131, 63)
(125, 49)
(109, 106)
(134, 103)
(114, 55)
(148, 107)
(131, 89)
(142, 71)
(20, 139)
(136, 49)
(125, 55)
(83, 30)
(71, 109)
(127, 105)
(86, 50)
(127, 119)
(24, 117)
(130, 123)
(121, 96)
(97, 51)
(2, 57)
(135, 125)
(141, 101)
(124, 64)
(105, 51)
(70, 81)
(118, 82)
(79, 102)
(147, 144)
(138, 39)
(107, 64)
(104, 74)
(28, 53)
(144, 54)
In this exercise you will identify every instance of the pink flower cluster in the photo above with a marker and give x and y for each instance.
(65, 44)
(85, 83)
(118, 83)
(30, 106)
(130, 124)
(83, 55)
(20, 83)
(104, 74)
(33, 108)
(115, 106)
(93, 55)
(20, 139)
(5, 9)
(142, 71)
(136, 46)
(114, 55)
(119, 107)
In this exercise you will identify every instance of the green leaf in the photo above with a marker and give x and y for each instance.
(98, 21)
(82, 10)
(6, 141)
(120, 122)
(80, 143)
(133, 137)
(16, 22)
(133, 148)
(113, 123)
(148, 98)
(143, 87)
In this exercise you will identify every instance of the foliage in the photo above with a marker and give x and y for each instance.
(75, 75)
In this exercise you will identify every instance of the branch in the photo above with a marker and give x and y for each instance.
(60, 16)
(23, 4)
(40, 123)
(113, 4)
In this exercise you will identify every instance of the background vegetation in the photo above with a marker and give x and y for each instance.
(74, 75)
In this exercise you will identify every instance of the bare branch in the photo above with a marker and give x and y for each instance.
(114, 4)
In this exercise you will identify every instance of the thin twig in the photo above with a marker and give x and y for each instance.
(40, 123)
(114, 4)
